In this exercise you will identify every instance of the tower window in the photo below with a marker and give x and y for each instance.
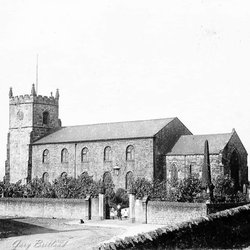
(84, 156)
(107, 154)
(46, 156)
(46, 117)
(64, 155)
(130, 153)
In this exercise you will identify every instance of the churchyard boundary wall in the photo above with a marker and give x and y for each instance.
(141, 211)
(166, 213)
(224, 229)
(47, 208)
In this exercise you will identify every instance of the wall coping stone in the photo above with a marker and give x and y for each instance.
(42, 200)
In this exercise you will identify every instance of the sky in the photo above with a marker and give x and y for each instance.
(116, 60)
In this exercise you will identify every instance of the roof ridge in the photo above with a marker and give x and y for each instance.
(208, 134)
(102, 123)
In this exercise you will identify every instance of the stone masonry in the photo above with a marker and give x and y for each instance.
(141, 166)
(26, 125)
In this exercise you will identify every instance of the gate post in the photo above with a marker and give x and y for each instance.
(101, 206)
(144, 207)
(132, 208)
(88, 208)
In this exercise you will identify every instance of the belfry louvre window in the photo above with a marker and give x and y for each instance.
(64, 155)
(130, 153)
(45, 156)
(46, 117)
(84, 155)
(107, 154)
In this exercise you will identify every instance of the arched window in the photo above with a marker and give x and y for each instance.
(107, 154)
(84, 155)
(46, 156)
(84, 174)
(46, 117)
(63, 174)
(45, 177)
(130, 153)
(64, 155)
(128, 180)
(107, 179)
(173, 173)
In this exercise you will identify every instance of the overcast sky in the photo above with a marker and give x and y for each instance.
(130, 60)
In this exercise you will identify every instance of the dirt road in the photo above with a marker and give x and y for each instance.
(54, 234)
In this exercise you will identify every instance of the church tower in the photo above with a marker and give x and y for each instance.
(30, 117)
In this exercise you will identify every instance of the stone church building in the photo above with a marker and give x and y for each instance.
(38, 146)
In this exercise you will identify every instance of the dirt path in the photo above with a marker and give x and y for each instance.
(56, 234)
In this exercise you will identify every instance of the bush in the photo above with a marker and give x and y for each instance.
(186, 190)
(78, 188)
(225, 191)
(120, 197)
(62, 187)
(189, 189)
(13, 190)
(39, 189)
(142, 187)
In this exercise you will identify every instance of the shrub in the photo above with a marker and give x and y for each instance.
(120, 197)
(142, 187)
(189, 189)
(186, 190)
(39, 189)
(225, 191)
(78, 188)
(13, 190)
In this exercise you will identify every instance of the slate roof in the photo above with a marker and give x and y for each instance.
(194, 144)
(106, 131)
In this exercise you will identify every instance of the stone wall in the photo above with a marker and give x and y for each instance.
(195, 162)
(217, 207)
(163, 212)
(220, 163)
(224, 230)
(26, 125)
(142, 166)
(139, 212)
(20, 128)
(39, 128)
(19, 140)
(94, 203)
(235, 144)
(46, 208)
(164, 141)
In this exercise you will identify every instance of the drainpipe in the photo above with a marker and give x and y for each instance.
(75, 162)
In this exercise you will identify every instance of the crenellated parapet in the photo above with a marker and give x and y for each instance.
(33, 98)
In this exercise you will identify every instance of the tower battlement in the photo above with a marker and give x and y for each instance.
(33, 97)
(36, 99)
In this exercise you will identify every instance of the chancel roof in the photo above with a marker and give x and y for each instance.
(194, 144)
(106, 131)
